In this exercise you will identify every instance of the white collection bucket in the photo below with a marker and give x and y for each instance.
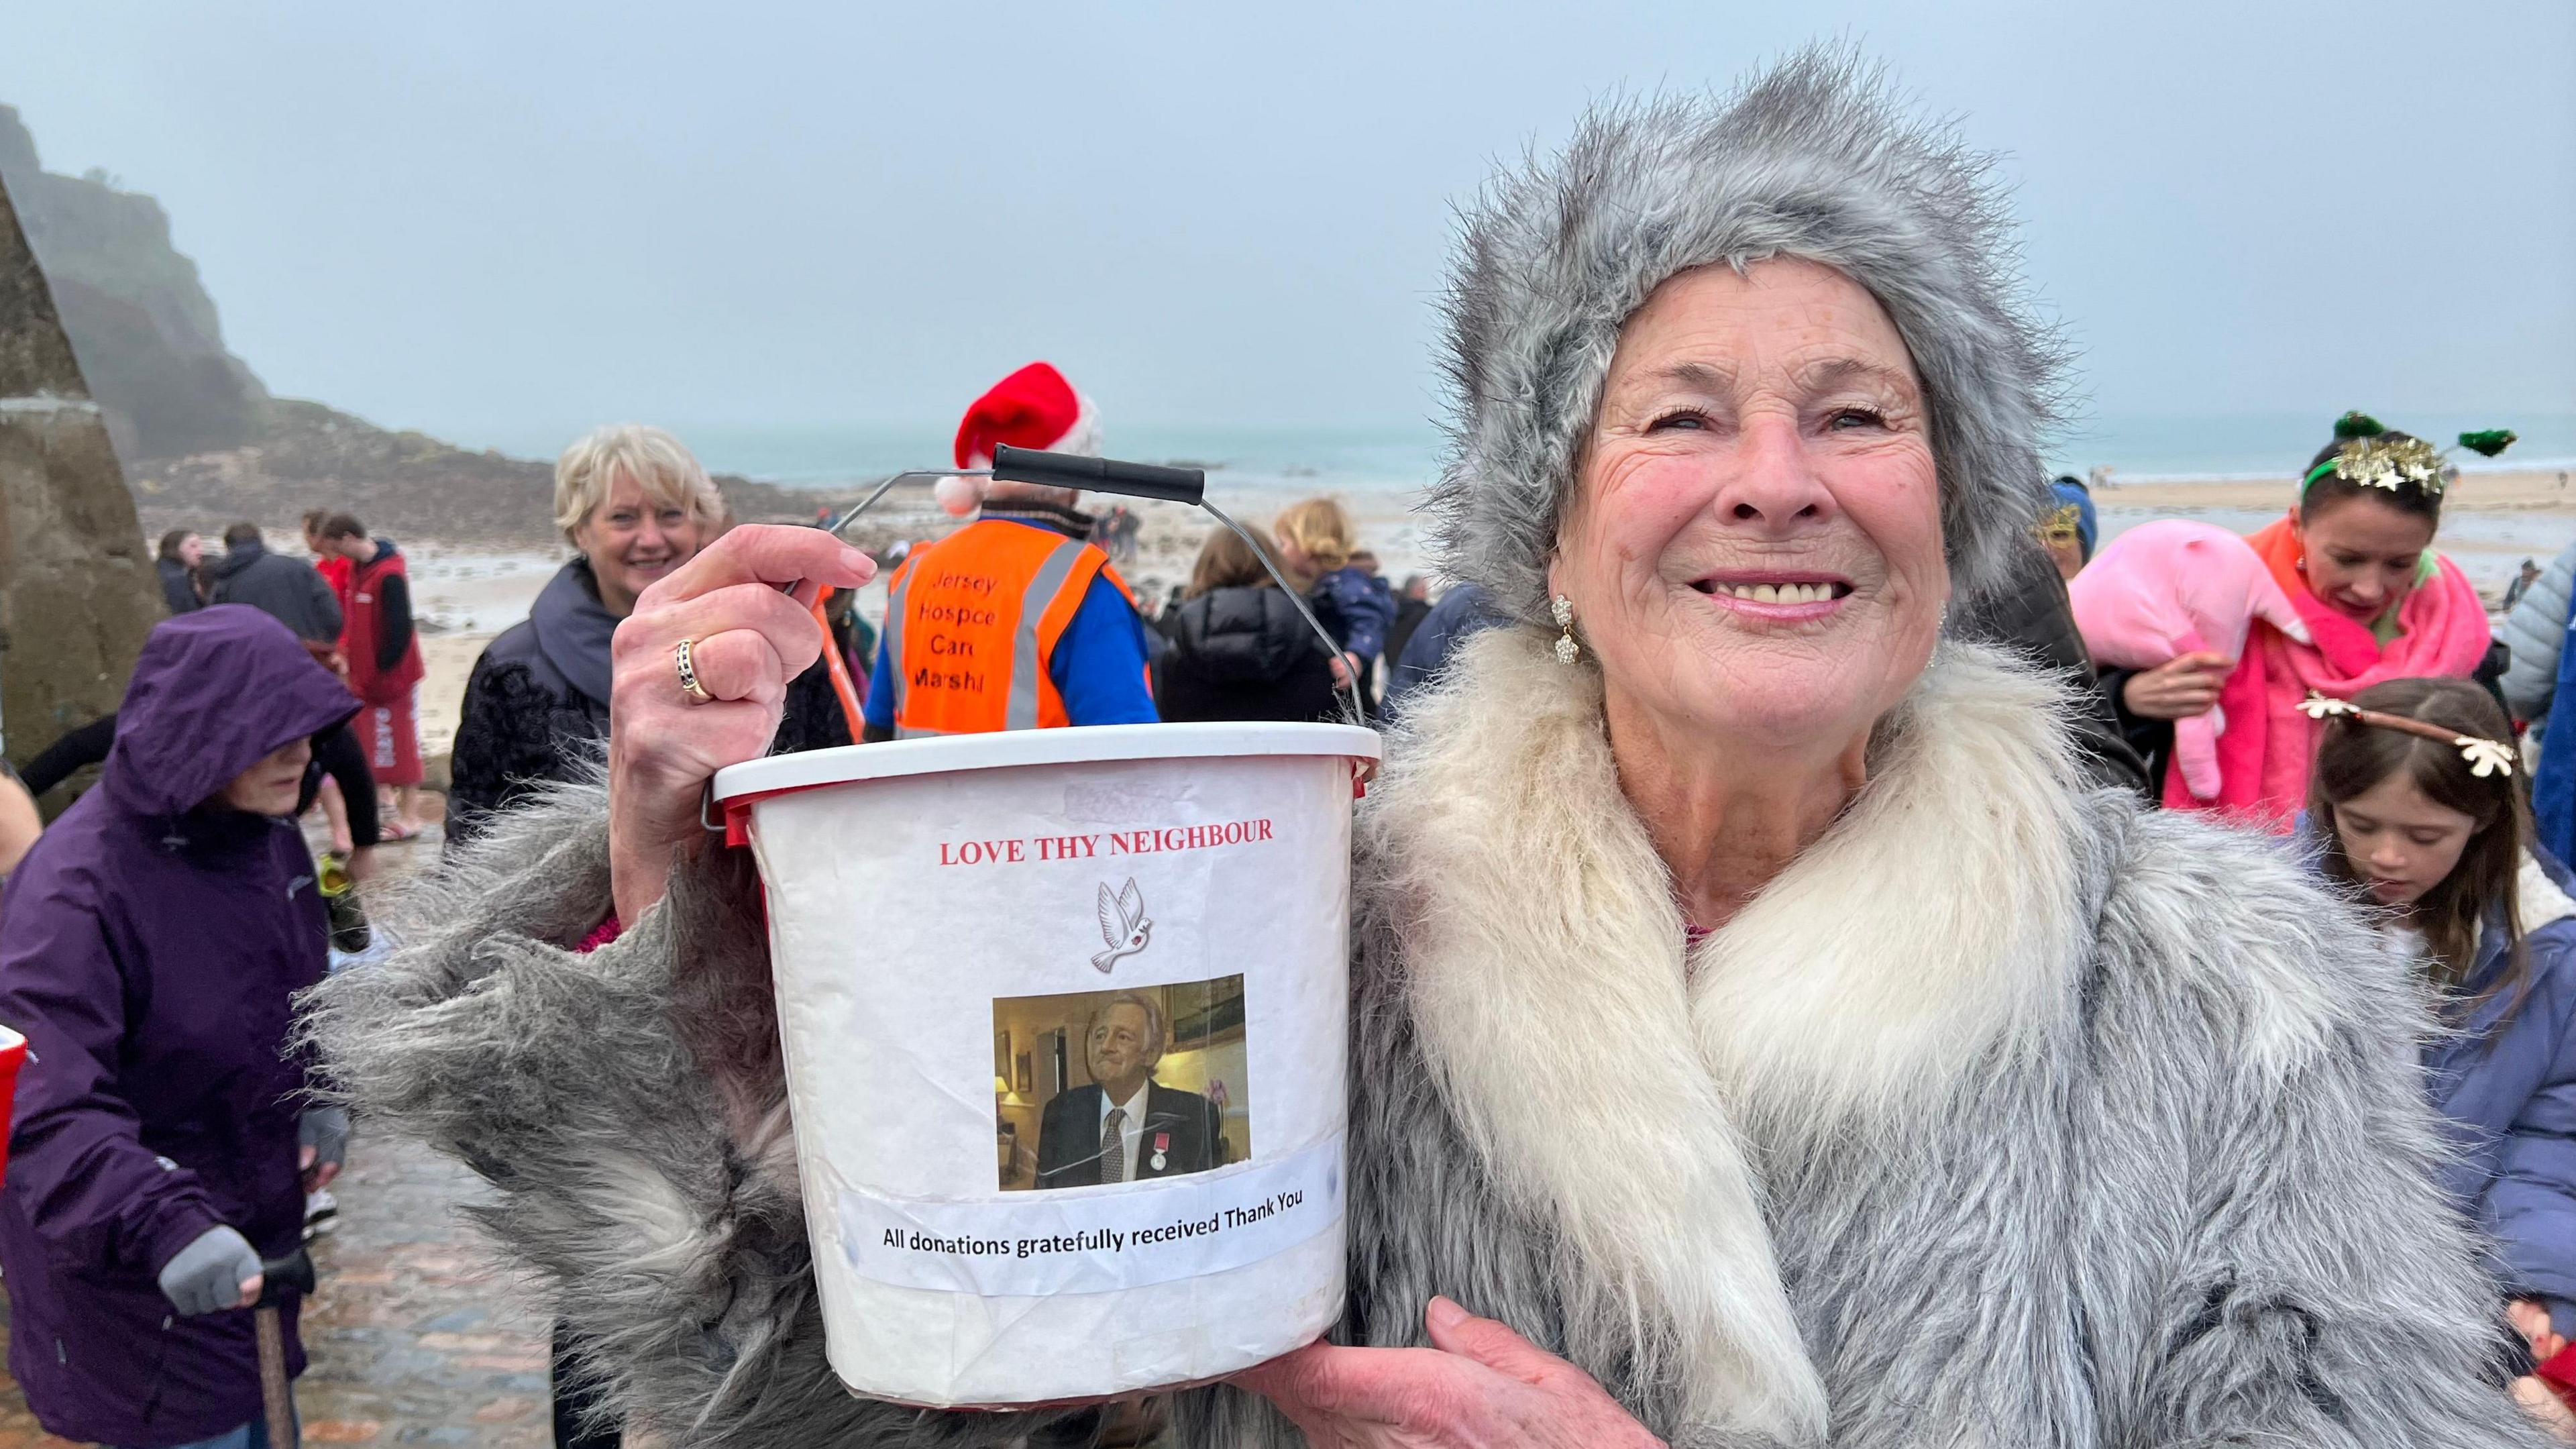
(979, 942)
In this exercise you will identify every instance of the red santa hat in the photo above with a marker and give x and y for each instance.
(1032, 408)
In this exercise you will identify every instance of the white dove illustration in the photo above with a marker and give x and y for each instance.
(1122, 925)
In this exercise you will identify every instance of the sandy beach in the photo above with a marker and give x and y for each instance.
(2492, 520)
(2498, 490)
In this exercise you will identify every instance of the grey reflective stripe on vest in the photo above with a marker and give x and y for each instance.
(893, 644)
(1021, 711)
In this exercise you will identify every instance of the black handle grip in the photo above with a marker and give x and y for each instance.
(292, 1274)
(1097, 475)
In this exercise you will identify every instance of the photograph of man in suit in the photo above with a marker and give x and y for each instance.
(1125, 1126)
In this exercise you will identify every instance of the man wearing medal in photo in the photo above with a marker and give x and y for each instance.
(1124, 1125)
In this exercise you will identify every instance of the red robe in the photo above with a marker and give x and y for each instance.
(362, 627)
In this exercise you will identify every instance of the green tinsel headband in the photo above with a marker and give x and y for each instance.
(2373, 460)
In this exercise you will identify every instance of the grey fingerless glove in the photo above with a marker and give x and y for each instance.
(207, 1275)
(326, 1131)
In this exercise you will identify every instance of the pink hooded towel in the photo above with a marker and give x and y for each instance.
(2174, 587)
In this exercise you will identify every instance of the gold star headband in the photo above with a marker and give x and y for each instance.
(2370, 458)
(2387, 463)
(2485, 756)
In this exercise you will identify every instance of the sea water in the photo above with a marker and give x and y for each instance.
(1386, 462)
(2141, 446)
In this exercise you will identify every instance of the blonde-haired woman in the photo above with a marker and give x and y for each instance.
(1316, 544)
(636, 505)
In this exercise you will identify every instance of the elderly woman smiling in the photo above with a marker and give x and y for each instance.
(1762, 1038)
(1753, 552)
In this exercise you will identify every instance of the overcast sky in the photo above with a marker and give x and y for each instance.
(480, 219)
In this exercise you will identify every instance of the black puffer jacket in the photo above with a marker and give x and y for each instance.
(536, 706)
(2031, 616)
(1244, 654)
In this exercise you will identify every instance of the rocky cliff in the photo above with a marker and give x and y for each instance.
(203, 443)
(406, 484)
(147, 335)
(76, 593)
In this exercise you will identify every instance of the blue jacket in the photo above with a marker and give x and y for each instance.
(2553, 786)
(1462, 613)
(2507, 1088)
(1355, 608)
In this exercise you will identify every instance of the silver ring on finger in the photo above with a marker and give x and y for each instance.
(684, 660)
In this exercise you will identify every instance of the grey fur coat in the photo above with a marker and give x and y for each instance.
(2007, 1115)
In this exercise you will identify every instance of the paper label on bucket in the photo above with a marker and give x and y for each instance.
(1066, 1049)
(1099, 1240)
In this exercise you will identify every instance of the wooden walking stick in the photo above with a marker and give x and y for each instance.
(292, 1274)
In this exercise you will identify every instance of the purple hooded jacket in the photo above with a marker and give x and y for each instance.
(148, 949)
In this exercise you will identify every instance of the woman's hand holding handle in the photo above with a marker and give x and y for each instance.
(1481, 1386)
(746, 640)
(2185, 687)
(216, 1271)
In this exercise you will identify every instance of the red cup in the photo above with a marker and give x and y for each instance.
(13, 1054)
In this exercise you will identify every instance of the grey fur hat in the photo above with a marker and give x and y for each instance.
(1816, 158)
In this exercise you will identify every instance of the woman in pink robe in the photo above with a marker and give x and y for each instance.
(2356, 559)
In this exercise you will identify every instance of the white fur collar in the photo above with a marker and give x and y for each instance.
(1607, 1086)
(1935, 922)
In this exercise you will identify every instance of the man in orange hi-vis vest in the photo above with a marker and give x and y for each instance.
(1014, 622)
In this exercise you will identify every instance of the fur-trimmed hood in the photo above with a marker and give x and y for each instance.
(1819, 159)
(1538, 925)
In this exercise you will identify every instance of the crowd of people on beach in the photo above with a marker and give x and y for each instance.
(2061, 990)
(351, 605)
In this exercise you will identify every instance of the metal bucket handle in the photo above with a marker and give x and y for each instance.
(1135, 480)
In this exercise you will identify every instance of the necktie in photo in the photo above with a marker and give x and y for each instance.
(1113, 1146)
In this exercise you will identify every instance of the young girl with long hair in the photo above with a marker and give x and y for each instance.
(2417, 800)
